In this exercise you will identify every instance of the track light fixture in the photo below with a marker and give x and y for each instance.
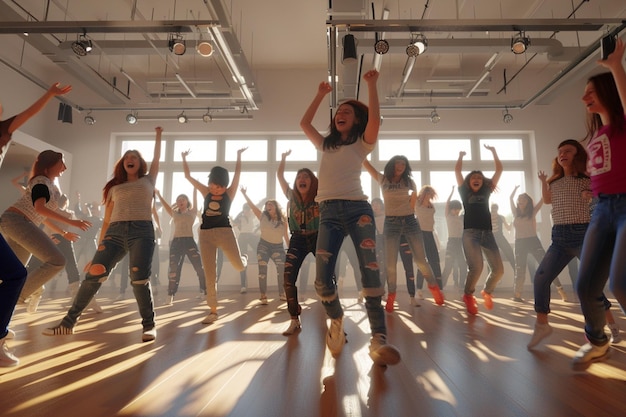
(82, 46)
(206, 117)
(381, 46)
(205, 48)
(176, 44)
(89, 119)
(434, 116)
(519, 43)
(182, 118)
(131, 118)
(507, 117)
(418, 45)
(349, 49)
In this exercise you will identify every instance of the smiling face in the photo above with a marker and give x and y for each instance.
(345, 119)
(303, 182)
(132, 163)
(476, 181)
(216, 189)
(182, 204)
(399, 168)
(271, 209)
(591, 100)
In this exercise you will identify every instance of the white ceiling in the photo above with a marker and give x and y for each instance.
(130, 70)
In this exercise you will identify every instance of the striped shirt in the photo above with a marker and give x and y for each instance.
(132, 200)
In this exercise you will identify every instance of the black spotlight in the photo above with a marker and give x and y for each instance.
(82, 46)
(176, 44)
(519, 43)
(65, 113)
(349, 49)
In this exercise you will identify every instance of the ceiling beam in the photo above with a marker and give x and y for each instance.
(474, 25)
(133, 26)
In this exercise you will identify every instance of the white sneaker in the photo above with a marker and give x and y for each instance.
(149, 335)
(541, 332)
(171, 300)
(335, 337)
(243, 290)
(589, 353)
(263, 300)
(35, 299)
(283, 297)
(381, 353)
(210, 319)
(7, 358)
(615, 338)
(294, 326)
(420, 294)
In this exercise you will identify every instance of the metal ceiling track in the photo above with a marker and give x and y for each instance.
(474, 25)
(133, 26)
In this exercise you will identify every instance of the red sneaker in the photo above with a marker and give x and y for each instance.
(390, 299)
(487, 299)
(470, 303)
(437, 294)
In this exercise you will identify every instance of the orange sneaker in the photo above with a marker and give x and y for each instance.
(487, 299)
(390, 299)
(470, 303)
(437, 294)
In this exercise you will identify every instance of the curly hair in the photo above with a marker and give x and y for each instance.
(486, 181)
(279, 211)
(361, 112)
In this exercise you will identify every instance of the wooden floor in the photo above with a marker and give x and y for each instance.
(242, 365)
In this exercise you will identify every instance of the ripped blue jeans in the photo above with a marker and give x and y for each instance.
(338, 219)
(135, 238)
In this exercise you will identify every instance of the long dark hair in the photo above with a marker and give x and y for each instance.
(119, 173)
(488, 182)
(580, 161)
(390, 168)
(607, 93)
(280, 215)
(333, 140)
(528, 211)
(310, 197)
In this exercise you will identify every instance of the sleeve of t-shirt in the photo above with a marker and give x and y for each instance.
(38, 191)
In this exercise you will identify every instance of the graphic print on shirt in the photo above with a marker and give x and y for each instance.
(214, 208)
(599, 156)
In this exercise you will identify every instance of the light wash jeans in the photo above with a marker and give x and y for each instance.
(12, 278)
(603, 257)
(477, 242)
(395, 227)
(338, 219)
(135, 238)
(209, 241)
(26, 239)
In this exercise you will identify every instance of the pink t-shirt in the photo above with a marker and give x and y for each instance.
(607, 162)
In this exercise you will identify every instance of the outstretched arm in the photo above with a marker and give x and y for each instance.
(447, 210)
(458, 167)
(232, 189)
(257, 212)
(373, 119)
(370, 168)
(306, 123)
(166, 206)
(196, 184)
(280, 173)
(546, 194)
(512, 201)
(154, 165)
(499, 169)
(55, 90)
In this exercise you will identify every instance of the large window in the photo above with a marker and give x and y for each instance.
(432, 158)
